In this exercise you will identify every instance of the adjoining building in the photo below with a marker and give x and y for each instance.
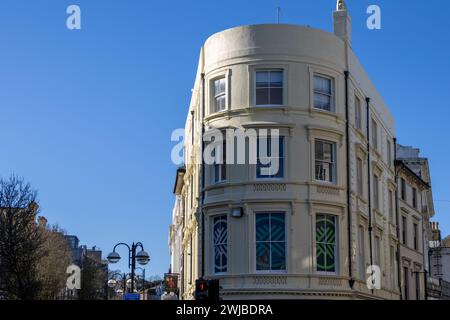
(312, 228)
(439, 262)
(176, 229)
(414, 210)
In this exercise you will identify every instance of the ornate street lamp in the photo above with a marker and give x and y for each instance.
(142, 257)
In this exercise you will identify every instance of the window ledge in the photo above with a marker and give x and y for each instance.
(324, 113)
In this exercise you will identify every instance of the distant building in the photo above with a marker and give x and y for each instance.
(411, 210)
(439, 260)
(176, 228)
(79, 256)
(76, 251)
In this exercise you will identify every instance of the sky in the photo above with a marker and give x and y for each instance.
(86, 115)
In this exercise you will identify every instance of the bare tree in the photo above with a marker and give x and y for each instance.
(20, 239)
(54, 262)
(94, 277)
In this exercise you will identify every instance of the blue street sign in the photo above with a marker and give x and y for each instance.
(132, 296)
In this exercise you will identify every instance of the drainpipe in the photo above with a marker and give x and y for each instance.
(369, 180)
(397, 220)
(351, 281)
(203, 179)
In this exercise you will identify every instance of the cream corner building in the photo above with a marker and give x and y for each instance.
(312, 229)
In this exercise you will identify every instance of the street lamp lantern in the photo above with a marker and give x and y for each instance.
(142, 257)
(113, 257)
(112, 283)
(129, 283)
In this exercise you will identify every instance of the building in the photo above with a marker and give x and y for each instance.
(420, 237)
(439, 262)
(177, 227)
(76, 251)
(90, 258)
(410, 220)
(313, 227)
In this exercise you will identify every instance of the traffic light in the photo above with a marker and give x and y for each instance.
(207, 290)
(213, 291)
(201, 290)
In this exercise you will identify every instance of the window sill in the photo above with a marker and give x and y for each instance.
(324, 113)
(267, 180)
(271, 272)
(325, 183)
(324, 273)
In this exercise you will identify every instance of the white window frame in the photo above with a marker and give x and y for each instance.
(283, 87)
(362, 251)
(415, 236)
(414, 198)
(214, 245)
(215, 95)
(378, 245)
(334, 161)
(336, 245)
(358, 113)
(389, 152)
(220, 166)
(331, 94)
(391, 198)
(376, 192)
(360, 176)
(404, 221)
(282, 157)
(286, 229)
(374, 132)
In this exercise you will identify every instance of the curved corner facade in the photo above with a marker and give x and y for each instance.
(311, 230)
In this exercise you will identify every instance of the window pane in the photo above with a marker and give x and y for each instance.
(219, 103)
(330, 258)
(223, 172)
(277, 231)
(276, 79)
(374, 134)
(319, 150)
(270, 241)
(262, 227)
(269, 88)
(357, 112)
(278, 251)
(266, 160)
(216, 173)
(276, 96)
(327, 152)
(322, 101)
(262, 256)
(262, 79)
(324, 161)
(220, 243)
(219, 86)
(322, 84)
(359, 173)
(326, 243)
(262, 96)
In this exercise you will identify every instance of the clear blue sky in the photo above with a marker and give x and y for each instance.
(86, 116)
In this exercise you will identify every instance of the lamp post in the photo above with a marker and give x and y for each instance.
(141, 257)
(113, 282)
(143, 281)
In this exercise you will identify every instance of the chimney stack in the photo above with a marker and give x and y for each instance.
(342, 22)
(42, 221)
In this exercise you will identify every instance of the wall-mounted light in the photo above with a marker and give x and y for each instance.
(237, 212)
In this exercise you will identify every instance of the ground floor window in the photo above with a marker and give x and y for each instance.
(326, 243)
(270, 234)
(220, 240)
